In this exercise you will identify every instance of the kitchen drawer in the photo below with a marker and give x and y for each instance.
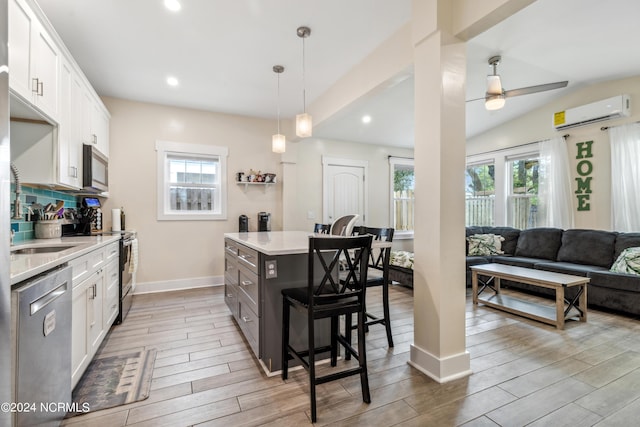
(231, 298)
(83, 266)
(249, 322)
(248, 258)
(230, 247)
(112, 251)
(248, 283)
(231, 267)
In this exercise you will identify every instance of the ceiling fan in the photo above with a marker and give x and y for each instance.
(495, 97)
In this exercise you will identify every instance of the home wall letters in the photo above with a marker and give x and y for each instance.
(584, 169)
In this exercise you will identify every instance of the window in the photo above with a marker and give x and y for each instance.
(501, 187)
(480, 194)
(402, 196)
(191, 181)
(522, 200)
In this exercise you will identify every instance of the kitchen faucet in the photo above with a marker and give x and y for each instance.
(17, 210)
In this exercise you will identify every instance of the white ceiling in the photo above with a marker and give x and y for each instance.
(223, 51)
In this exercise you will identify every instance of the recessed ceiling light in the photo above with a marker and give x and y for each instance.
(172, 5)
(172, 81)
(366, 119)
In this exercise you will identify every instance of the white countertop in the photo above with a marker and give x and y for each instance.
(274, 242)
(282, 242)
(25, 266)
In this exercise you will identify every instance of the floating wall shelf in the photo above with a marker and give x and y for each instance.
(247, 184)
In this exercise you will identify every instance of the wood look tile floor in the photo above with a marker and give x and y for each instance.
(524, 372)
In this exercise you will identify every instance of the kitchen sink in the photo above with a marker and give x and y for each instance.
(39, 250)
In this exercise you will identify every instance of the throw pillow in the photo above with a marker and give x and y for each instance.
(485, 244)
(402, 259)
(628, 262)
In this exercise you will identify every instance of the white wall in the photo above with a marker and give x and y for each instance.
(304, 173)
(174, 253)
(536, 126)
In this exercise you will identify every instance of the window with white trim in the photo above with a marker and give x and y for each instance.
(191, 181)
(480, 194)
(522, 197)
(506, 181)
(402, 184)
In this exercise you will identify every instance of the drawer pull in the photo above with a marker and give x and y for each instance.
(245, 319)
(230, 296)
(246, 257)
(246, 282)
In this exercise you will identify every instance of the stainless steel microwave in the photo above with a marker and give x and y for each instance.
(95, 169)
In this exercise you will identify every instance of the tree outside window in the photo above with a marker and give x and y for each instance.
(480, 194)
(522, 201)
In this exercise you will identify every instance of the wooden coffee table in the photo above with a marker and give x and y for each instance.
(564, 308)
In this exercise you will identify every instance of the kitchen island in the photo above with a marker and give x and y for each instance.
(258, 265)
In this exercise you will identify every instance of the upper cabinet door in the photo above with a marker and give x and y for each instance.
(34, 60)
(45, 58)
(21, 22)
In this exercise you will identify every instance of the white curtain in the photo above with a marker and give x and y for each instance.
(625, 177)
(555, 203)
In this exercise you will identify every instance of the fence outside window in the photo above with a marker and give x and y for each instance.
(403, 206)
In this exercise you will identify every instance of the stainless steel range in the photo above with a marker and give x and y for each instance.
(128, 244)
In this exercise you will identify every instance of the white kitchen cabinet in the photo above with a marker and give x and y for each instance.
(70, 128)
(79, 340)
(95, 123)
(60, 107)
(111, 287)
(95, 283)
(34, 59)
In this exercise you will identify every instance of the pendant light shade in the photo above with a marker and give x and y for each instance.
(304, 125)
(278, 141)
(304, 122)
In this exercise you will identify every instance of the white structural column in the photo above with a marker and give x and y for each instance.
(439, 270)
(440, 29)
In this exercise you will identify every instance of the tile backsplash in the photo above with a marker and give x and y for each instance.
(23, 228)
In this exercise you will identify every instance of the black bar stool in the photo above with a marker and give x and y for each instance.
(331, 298)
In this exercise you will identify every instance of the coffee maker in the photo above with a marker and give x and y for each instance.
(91, 215)
(264, 221)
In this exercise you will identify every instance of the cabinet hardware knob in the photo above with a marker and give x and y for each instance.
(245, 319)
(246, 282)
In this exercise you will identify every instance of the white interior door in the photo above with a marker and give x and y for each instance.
(344, 189)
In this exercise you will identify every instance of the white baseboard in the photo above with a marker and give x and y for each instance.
(178, 284)
(441, 370)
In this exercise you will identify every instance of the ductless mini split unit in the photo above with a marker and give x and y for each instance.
(607, 109)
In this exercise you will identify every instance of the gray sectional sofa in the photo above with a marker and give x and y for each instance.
(588, 253)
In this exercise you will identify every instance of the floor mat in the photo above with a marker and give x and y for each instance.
(114, 381)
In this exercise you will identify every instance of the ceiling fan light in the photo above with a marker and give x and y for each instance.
(494, 85)
(494, 102)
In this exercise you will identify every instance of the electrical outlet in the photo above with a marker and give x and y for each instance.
(311, 215)
(271, 267)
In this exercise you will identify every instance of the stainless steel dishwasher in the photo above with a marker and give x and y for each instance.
(41, 311)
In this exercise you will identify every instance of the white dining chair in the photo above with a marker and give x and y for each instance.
(343, 226)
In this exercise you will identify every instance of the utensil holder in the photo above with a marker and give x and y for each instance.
(48, 229)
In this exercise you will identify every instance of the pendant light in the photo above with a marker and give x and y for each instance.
(304, 123)
(278, 141)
